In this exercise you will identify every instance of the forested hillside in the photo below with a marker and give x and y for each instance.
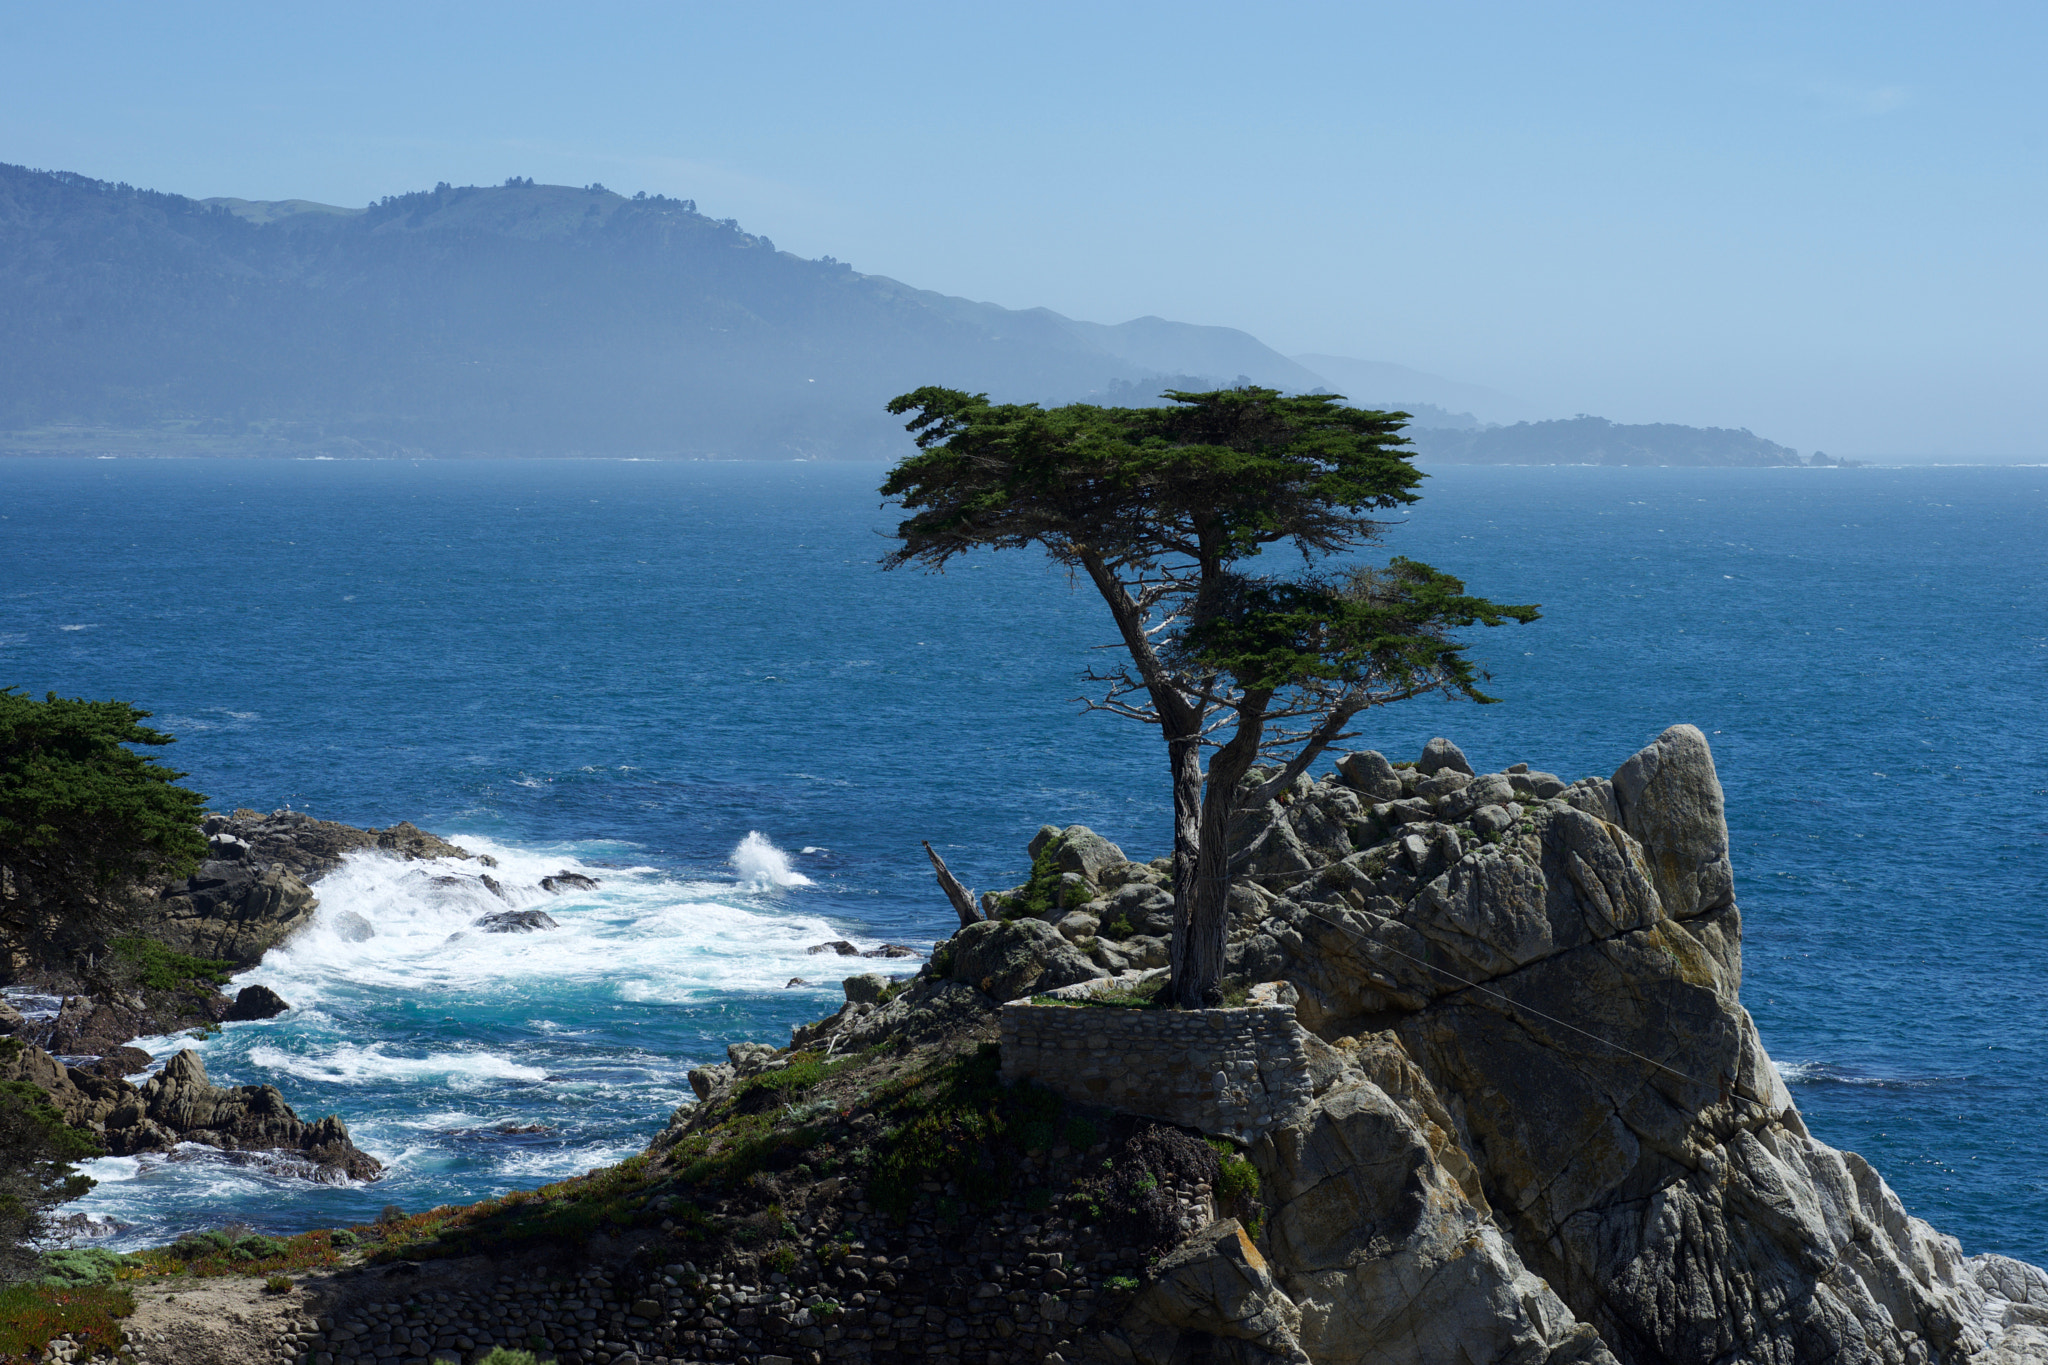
(1595, 440)
(513, 319)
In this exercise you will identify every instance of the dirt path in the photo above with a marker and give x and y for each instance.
(228, 1320)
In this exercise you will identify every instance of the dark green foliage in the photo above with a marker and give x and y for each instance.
(83, 818)
(277, 1284)
(37, 1152)
(957, 1123)
(165, 969)
(80, 1266)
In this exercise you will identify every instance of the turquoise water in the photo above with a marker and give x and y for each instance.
(627, 669)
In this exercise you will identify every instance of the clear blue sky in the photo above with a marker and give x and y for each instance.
(1824, 222)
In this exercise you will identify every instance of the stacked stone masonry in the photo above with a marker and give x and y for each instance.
(1008, 1287)
(1236, 1072)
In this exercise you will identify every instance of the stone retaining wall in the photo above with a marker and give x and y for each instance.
(1236, 1072)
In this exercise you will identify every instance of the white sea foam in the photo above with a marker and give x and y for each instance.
(764, 867)
(1828, 1073)
(352, 1064)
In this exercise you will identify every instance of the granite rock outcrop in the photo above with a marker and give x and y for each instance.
(180, 1104)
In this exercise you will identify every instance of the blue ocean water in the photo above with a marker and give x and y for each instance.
(629, 669)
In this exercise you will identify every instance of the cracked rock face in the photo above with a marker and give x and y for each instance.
(1546, 1129)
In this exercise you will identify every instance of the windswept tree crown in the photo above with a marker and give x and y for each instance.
(1211, 479)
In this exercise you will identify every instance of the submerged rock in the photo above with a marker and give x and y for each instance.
(562, 883)
(516, 922)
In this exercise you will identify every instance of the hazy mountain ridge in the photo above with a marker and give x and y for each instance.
(515, 319)
(524, 319)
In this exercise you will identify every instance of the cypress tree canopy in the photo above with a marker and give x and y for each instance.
(83, 817)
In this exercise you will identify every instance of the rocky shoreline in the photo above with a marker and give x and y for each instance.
(253, 892)
(1540, 1127)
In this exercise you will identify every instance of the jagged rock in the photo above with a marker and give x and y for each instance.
(867, 989)
(89, 1025)
(122, 1061)
(231, 911)
(309, 848)
(11, 1019)
(1216, 1289)
(890, 950)
(180, 1104)
(837, 945)
(1490, 790)
(1369, 774)
(1670, 800)
(749, 1059)
(1077, 924)
(255, 1002)
(1085, 853)
(1441, 784)
(707, 1081)
(1145, 907)
(563, 882)
(1541, 786)
(1439, 754)
(1008, 959)
(516, 922)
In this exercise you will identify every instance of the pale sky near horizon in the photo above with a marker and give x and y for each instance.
(1823, 222)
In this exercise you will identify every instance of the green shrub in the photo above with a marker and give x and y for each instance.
(278, 1284)
(504, 1355)
(165, 969)
(76, 1268)
(343, 1239)
(1120, 1284)
(783, 1259)
(1119, 928)
(1237, 1179)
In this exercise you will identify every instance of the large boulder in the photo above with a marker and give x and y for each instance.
(1006, 959)
(232, 911)
(254, 1003)
(1670, 801)
(1440, 754)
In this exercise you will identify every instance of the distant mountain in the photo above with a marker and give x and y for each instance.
(514, 319)
(1595, 440)
(1434, 400)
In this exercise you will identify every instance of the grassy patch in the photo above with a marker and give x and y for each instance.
(237, 1252)
(32, 1315)
(164, 969)
(1148, 995)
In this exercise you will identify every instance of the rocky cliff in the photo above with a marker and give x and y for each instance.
(1545, 1128)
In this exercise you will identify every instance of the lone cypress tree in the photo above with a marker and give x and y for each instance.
(1167, 510)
